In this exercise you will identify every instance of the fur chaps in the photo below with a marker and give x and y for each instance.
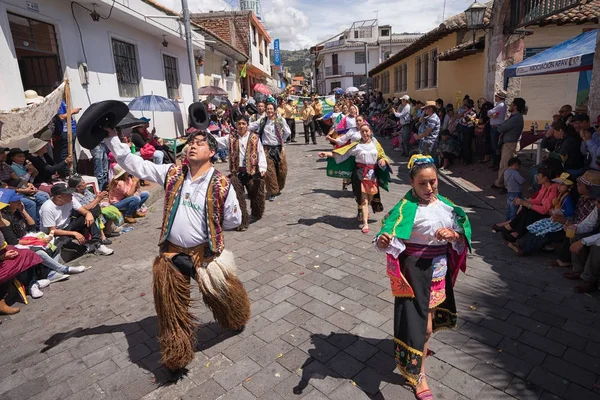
(276, 174)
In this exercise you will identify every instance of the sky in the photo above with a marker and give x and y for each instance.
(303, 23)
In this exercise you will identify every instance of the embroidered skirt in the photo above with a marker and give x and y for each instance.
(428, 287)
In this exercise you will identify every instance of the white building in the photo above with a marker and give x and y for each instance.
(340, 60)
(135, 47)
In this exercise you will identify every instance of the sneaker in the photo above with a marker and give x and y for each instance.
(76, 270)
(55, 276)
(143, 209)
(104, 251)
(34, 291)
(43, 283)
(130, 220)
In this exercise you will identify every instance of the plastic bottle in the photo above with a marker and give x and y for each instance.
(133, 149)
(546, 127)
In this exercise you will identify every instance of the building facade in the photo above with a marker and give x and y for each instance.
(447, 63)
(342, 61)
(243, 31)
(124, 54)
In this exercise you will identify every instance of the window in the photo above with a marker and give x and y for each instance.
(433, 66)
(262, 58)
(266, 49)
(418, 72)
(359, 57)
(171, 76)
(358, 80)
(335, 85)
(404, 87)
(532, 51)
(385, 82)
(126, 68)
(385, 32)
(397, 79)
(254, 39)
(425, 70)
(355, 34)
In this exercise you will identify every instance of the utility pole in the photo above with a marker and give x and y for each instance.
(367, 67)
(190, 49)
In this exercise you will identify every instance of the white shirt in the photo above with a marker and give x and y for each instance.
(499, 109)
(588, 225)
(270, 136)
(52, 215)
(352, 135)
(189, 226)
(243, 143)
(404, 115)
(364, 153)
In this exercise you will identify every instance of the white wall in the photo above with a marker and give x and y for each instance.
(124, 24)
(546, 94)
(256, 50)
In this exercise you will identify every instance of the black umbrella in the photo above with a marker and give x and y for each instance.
(129, 122)
(220, 101)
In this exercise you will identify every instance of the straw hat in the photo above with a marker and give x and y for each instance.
(31, 97)
(35, 145)
(563, 179)
(430, 103)
(501, 93)
(590, 178)
(118, 171)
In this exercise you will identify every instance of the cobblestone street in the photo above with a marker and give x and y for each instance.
(322, 315)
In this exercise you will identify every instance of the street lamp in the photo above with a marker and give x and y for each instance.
(475, 14)
(366, 62)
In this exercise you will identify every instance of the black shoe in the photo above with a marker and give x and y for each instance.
(294, 141)
(306, 142)
(507, 236)
(314, 143)
(238, 331)
(106, 241)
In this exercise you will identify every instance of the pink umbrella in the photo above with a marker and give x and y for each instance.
(260, 88)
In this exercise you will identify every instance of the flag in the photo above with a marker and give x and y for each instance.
(243, 72)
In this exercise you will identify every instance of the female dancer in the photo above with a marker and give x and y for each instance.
(367, 156)
(426, 238)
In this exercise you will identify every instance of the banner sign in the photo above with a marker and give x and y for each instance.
(551, 66)
(326, 101)
(276, 53)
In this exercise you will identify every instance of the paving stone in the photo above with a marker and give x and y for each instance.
(208, 390)
(457, 358)
(293, 387)
(343, 320)
(348, 391)
(275, 330)
(283, 281)
(372, 317)
(567, 338)
(319, 326)
(353, 294)
(493, 376)
(92, 375)
(278, 311)
(479, 350)
(319, 349)
(345, 365)
(452, 338)
(236, 374)
(374, 303)
(240, 350)
(576, 392)
(319, 308)
(529, 324)
(491, 393)
(296, 336)
(93, 392)
(205, 370)
(462, 383)
(299, 316)
(514, 365)
(335, 273)
(281, 294)
(569, 371)
(361, 350)
(437, 368)
(481, 334)
(369, 333)
(502, 327)
(49, 364)
(522, 351)
(583, 360)
(323, 295)
(542, 343)
(267, 378)
(299, 299)
(320, 376)
(548, 381)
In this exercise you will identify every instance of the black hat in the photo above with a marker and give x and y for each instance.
(61, 188)
(104, 114)
(235, 115)
(251, 109)
(4, 149)
(580, 117)
(198, 116)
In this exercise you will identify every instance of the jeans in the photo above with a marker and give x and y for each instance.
(427, 147)
(33, 204)
(511, 209)
(129, 205)
(158, 157)
(52, 263)
(406, 132)
(494, 137)
(100, 158)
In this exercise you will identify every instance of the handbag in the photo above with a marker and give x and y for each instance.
(147, 152)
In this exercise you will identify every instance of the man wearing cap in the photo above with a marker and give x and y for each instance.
(200, 203)
(585, 252)
(497, 116)
(247, 167)
(429, 129)
(405, 119)
(65, 216)
(590, 146)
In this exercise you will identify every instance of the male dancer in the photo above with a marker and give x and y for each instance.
(199, 205)
(247, 165)
(273, 132)
(260, 114)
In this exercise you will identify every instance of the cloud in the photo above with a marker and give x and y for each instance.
(286, 23)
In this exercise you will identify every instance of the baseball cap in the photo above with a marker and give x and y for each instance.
(405, 97)
(61, 188)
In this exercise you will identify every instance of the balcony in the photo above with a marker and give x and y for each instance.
(334, 70)
(528, 12)
(334, 43)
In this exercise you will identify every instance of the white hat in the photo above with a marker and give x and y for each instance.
(118, 171)
(31, 97)
(36, 145)
(405, 97)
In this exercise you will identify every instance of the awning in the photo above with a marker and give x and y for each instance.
(576, 54)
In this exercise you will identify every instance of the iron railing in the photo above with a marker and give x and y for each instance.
(527, 12)
(334, 70)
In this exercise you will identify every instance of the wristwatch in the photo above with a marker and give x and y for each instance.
(583, 242)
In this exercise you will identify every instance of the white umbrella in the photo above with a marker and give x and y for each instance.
(352, 89)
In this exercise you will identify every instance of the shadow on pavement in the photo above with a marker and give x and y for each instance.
(336, 194)
(319, 365)
(331, 220)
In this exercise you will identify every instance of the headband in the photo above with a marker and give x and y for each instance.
(418, 159)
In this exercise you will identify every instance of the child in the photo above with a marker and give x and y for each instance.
(513, 181)
(448, 149)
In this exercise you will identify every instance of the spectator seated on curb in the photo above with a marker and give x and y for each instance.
(90, 202)
(585, 252)
(18, 264)
(124, 194)
(64, 216)
(531, 210)
(18, 229)
(448, 149)
(550, 229)
(585, 205)
(43, 163)
(33, 199)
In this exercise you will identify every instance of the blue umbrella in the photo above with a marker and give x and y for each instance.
(338, 91)
(153, 103)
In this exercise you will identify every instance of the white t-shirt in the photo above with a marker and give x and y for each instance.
(57, 216)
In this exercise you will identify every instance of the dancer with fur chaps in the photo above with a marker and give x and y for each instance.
(273, 132)
(200, 203)
(247, 165)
